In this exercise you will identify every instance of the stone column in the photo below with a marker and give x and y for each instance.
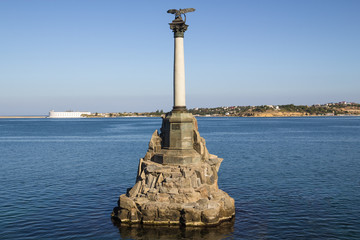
(177, 180)
(179, 27)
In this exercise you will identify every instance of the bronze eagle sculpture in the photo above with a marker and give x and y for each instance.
(179, 12)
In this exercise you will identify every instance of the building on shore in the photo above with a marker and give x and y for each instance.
(68, 114)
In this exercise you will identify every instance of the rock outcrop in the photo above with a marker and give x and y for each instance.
(169, 194)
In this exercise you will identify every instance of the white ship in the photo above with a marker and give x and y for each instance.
(68, 114)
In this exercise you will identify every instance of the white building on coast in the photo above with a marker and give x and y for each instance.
(69, 114)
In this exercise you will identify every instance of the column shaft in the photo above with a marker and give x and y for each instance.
(179, 73)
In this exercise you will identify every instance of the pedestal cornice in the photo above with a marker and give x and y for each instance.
(179, 109)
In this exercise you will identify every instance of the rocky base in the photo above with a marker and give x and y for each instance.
(176, 183)
(168, 195)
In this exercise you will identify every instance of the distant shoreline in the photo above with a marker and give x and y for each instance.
(202, 116)
(22, 116)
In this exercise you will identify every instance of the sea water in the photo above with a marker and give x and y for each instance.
(291, 178)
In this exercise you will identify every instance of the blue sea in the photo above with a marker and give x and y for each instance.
(291, 178)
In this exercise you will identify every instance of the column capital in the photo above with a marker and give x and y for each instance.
(179, 27)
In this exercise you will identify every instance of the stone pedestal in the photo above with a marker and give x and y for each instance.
(176, 183)
(177, 140)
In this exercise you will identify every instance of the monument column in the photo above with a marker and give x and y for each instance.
(177, 180)
(178, 126)
(179, 27)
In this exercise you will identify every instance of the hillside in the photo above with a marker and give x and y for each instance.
(290, 110)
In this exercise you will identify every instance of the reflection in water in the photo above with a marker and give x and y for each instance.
(223, 231)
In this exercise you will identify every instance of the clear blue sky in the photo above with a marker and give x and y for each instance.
(115, 56)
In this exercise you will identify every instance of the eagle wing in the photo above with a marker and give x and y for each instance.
(172, 11)
(186, 10)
